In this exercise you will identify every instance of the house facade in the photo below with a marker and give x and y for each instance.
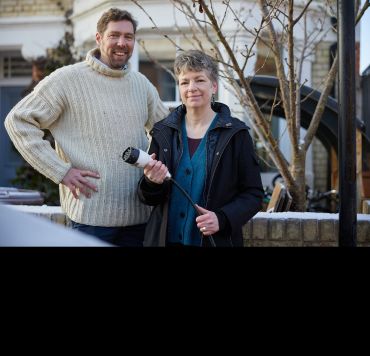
(28, 28)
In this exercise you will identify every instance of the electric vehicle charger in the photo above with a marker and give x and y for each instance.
(139, 158)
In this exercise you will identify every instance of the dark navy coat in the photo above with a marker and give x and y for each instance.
(233, 188)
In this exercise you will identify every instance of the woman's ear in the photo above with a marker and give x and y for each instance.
(214, 87)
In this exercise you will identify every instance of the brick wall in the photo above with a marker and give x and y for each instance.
(300, 230)
(320, 65)
(320, 166)
(13, 8)
(320, 68)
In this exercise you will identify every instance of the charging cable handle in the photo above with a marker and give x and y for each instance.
(138, 158)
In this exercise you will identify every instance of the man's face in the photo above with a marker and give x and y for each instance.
(116, 43)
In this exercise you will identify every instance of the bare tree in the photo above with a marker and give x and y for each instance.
(275, 27)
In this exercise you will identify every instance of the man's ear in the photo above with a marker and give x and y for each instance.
(98, 38)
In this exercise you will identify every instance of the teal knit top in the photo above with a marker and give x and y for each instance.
(190, 174)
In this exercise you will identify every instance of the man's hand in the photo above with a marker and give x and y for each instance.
(75, 179)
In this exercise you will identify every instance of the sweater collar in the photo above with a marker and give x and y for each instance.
(93, 61)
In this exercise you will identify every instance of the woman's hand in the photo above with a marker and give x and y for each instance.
(155, 170)
(207, 223)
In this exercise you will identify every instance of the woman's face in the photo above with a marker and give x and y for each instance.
(196, 89)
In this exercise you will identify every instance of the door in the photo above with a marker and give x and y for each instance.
(10, 159)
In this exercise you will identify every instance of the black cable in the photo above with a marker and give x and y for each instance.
(193, 205)
(139, 158)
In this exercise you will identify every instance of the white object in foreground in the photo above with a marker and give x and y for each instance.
(18, 229)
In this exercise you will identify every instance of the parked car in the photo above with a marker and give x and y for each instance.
(19, 229)
(15, 196)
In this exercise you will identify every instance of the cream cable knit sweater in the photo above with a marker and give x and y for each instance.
(94, 113)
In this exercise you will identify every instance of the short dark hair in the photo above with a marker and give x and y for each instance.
(195, 60)
(114, 15)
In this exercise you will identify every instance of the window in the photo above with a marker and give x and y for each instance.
(160, 78)
(14, 66)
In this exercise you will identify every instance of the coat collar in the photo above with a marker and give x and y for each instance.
(224, 117)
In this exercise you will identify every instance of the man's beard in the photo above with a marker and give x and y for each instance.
(117, 64)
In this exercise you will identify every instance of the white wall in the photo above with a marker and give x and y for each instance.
(31, 35)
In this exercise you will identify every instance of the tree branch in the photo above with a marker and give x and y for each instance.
(363, 9)
(302, 13)
(250, 100)
(155, 25)
(291, 119)
(278, 60)
(315, 121)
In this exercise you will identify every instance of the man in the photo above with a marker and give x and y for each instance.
(94, 110)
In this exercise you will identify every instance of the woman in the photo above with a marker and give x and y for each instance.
(209, 154)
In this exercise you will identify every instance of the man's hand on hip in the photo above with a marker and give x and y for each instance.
(75, 179)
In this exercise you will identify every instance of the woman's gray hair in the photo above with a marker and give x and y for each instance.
(195, 60)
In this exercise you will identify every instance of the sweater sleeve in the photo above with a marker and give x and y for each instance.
(156, 109)
(24, 125)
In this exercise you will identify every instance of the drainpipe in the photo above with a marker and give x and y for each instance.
(347, 124)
